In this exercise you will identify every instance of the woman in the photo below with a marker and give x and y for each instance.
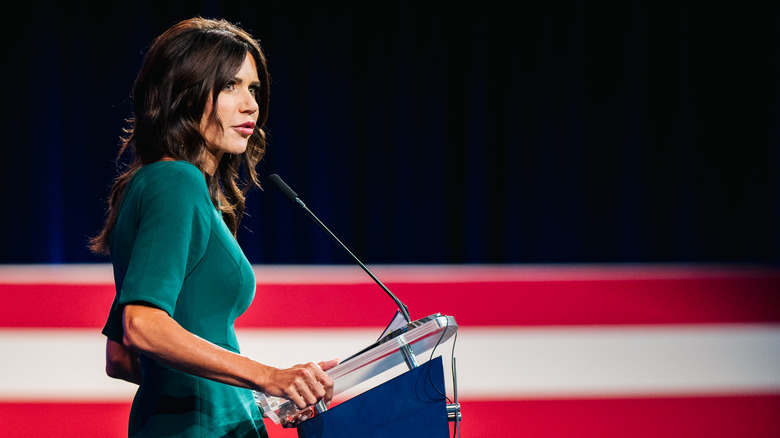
(200, 100)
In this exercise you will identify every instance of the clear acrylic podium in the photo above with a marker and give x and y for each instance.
(378, 403)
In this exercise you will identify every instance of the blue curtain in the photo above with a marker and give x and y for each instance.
(431, 132)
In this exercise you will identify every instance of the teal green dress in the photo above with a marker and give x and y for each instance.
(171, 249)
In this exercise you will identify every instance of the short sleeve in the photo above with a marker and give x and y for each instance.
(114, 328)
(173, 225)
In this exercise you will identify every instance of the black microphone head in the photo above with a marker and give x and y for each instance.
(284, 188)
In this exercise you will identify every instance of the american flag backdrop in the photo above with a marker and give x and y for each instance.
(541, 351)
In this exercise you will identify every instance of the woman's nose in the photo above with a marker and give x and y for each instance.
(249, 104)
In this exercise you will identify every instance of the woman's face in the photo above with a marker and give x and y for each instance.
(237, 110)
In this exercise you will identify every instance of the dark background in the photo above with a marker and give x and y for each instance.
(431, 132)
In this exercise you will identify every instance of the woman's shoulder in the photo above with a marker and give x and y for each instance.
(169, 181)
(170, 174)
(170, 169)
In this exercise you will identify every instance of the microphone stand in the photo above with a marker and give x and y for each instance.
(290, 194)
(453, 409)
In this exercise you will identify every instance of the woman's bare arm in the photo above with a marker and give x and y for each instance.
(154, 333)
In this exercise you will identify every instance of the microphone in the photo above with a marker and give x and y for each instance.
(291, 195)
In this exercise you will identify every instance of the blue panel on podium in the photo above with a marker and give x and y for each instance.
(412, 404)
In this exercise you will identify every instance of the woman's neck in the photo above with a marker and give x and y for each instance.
(211, 162)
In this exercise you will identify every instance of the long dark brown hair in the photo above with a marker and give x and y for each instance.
(185, 67)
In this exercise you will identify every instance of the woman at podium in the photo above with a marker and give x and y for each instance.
(200, 102)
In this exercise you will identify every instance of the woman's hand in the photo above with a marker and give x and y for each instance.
(304, 385)
(309, 411)
(122, 363)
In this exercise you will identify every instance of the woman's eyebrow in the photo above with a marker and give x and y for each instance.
(238, 80)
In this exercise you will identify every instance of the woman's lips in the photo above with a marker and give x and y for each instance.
(245, 128)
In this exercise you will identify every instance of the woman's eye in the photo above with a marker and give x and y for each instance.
(230, 87)
(253, 90)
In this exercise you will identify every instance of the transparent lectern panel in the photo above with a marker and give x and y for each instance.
(421, 336)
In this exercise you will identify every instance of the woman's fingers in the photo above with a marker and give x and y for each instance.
(308, 384)
(328, 364)
(328, 384)
(325, 380)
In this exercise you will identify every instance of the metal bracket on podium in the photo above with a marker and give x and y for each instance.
(453, 412)
(407, 353)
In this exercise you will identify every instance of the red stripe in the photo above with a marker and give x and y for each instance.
(733, 299)
(712, 417)
(64, 420)
(655, 301)
(55, 305)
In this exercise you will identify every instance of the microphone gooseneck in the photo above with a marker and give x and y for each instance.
(284, 188)
(290, 194)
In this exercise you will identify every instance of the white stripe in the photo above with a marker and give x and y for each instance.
(65, 364)
(349, 274)
(511, 362)
(615, 361)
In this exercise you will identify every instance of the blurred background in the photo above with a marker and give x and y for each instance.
(431, 131)
(591, 190)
